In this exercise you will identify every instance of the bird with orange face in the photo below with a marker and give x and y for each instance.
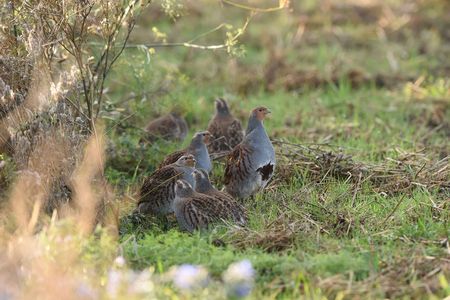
(251, 164)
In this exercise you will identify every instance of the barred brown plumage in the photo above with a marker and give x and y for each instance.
(158, 190)
(196, 211)
(226, 130)
(234, 211)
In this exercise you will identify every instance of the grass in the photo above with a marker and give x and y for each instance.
(312, 234)
(329, 235)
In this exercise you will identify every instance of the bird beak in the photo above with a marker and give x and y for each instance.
(268, 111)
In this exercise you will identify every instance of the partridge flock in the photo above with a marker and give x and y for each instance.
(181, 184)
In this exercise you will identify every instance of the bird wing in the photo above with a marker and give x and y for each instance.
(218, 139)
(200, 211)
(231, 209)
(238, 163)
(157, 181)
(214, 127)
(160, 124)
(235, 133)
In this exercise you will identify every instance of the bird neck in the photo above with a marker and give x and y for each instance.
(184, 193)
(203, 186)
(175, 115)
(223, 113)
(185, 170)
(196, 144)
(254, 124)
(200, 152)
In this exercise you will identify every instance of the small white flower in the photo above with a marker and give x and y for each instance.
(242, 270)
(239, 278)
(119, 261)
(189, 277)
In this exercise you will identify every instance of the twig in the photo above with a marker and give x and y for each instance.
(168, 45)
(189, 43)
(356, 189)
(394, 210)
(219, 155)
(255, 9)
(77, 108)
(207, 32)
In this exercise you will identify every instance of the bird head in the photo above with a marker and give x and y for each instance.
(200, 174)
(177, 111)
(260, 112)
(183, 188)
(222, 106)
(202, 183)
(186, 161)
(202, 136)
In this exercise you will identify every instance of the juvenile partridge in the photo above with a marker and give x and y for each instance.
(234, 210)
(197, 148)
(251, 164)
(225, 129)
(194, 210)
(158, 190)
(168, 127)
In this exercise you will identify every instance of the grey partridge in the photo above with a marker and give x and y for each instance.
(226, 129)
(251, 164)
(158, 190)
(234, 210)
(168, 127)
(197, 148)
(196, 211)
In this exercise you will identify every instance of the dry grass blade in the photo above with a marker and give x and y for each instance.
(84, 181)
(394, 278)
(26, 190)
(410, 171)
(277, 235)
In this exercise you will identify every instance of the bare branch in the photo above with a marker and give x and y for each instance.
(255, 9)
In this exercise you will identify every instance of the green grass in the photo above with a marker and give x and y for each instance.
(361, 243)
